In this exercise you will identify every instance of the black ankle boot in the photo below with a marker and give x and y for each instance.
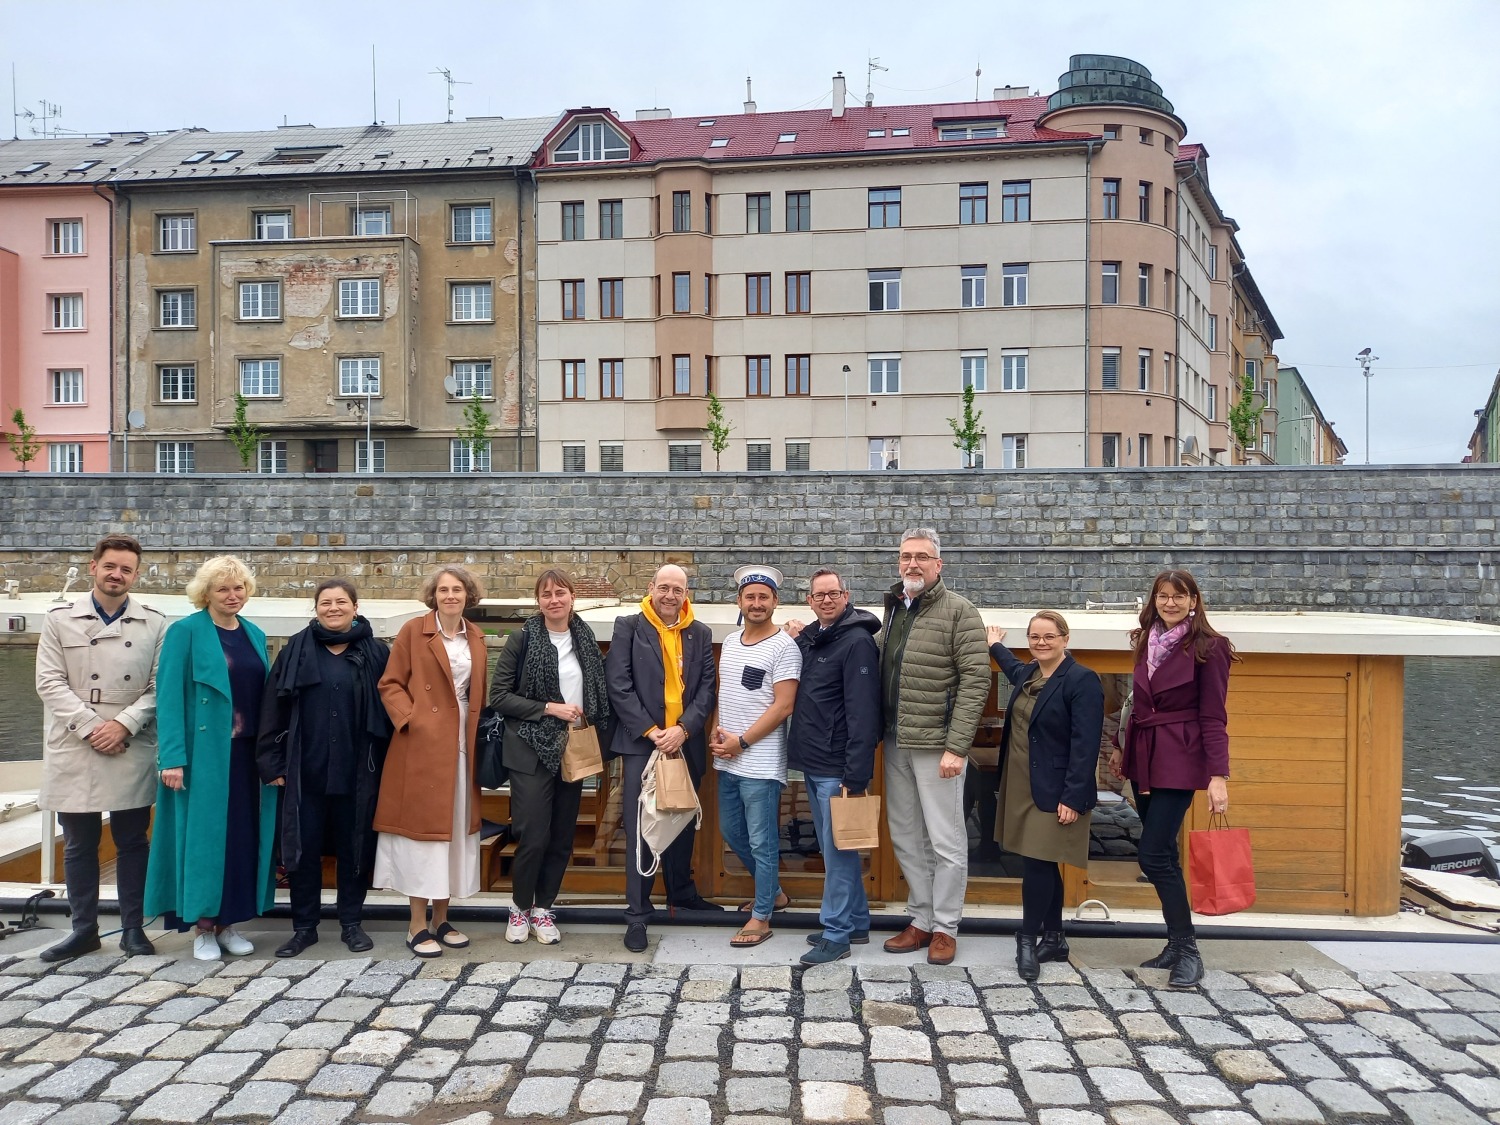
(76, 944)
(1053, 946)
(135, 943)
(1027, 965)
(1189, 968)
(1166, 959)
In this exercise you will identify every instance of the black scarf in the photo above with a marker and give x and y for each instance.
(541, 679)
(298, 668)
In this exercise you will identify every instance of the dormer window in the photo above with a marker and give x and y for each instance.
(591, 141)
(900, 132)
(198, 157)
(226, 156)
(706, 122)
(971, 131)
(719, 142)
(786, 138)
(34, 166)
(83, 166)
(877, 132)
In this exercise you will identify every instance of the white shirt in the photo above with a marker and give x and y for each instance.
(569, 671)
(747, 678)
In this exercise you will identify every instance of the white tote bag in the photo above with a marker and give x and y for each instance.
(656, 828)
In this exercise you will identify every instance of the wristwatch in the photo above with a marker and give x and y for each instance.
(743, 744)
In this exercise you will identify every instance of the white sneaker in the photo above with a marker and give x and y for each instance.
(518, 929)
(544, 926)
(206, 946)
(235, 942)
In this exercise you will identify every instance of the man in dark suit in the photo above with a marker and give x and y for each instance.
(662, 687)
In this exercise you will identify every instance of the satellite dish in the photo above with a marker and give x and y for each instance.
(450, 384)
(137, 419)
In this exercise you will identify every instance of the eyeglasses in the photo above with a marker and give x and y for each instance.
(831, 595)
(1044, 638)
(1174, 597)
(918, 558)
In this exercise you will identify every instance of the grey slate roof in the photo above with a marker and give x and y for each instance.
(97, 158)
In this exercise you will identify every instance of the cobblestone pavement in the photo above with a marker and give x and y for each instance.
(315, 1041)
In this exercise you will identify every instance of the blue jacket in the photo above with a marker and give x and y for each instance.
(836, 720)
(1066, 724)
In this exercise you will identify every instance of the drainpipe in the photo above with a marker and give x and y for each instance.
(125, 287)
(520, 330)
(124, 430)
(1088, 227)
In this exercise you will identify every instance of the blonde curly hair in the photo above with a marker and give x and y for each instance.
(215, 572)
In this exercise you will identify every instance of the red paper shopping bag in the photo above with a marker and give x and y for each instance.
(1220, 869)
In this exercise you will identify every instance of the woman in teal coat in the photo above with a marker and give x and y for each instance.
(215, 827)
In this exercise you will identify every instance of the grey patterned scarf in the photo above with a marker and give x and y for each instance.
(540, 679)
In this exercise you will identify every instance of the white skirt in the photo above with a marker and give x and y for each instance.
(433, 869)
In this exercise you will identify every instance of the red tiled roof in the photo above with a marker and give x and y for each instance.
(1189, 152)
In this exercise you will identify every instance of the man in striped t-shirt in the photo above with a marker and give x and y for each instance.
(758, 671)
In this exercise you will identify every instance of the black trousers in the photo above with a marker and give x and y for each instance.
(676, 861)
(327, 819)
(1041, 896)
(1162, 812)
(81, 835)
(543, 819)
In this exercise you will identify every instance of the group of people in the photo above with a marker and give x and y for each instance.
(346, 747)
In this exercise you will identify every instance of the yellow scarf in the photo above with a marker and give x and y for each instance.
(671, 654)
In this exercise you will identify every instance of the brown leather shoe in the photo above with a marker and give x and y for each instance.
(908, 940)
(941, 950)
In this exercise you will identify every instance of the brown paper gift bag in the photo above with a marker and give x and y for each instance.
(581, 758)
(856, 821)
(675, 791)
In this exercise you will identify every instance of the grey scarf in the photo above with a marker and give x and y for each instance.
(540, 679)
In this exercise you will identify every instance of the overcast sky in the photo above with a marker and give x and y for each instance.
(1353, 140)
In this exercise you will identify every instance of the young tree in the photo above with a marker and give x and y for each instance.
(968, 434)
(1244, 416)
(718, 428)
(474, 433)
(23, 443)
(245, 436)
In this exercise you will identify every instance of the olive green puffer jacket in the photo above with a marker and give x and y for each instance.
(945, 672)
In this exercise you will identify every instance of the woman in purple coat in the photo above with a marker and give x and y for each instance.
(1176, 743)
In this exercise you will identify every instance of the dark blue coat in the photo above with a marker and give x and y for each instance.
(1066, 724)
(836, 720)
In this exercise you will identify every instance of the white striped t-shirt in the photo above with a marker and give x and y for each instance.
(747, 676)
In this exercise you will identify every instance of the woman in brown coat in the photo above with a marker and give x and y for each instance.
(428, 812)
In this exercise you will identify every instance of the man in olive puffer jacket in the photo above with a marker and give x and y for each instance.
(935, 676)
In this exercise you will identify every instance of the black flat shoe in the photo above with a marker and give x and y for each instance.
(1027, 966)
(697, 902)
(635, 937)
(76, 944)
(135, 943)
(298, 942)
(356, 939)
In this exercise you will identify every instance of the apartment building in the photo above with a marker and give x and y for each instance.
(838, 277)
(1303, 435)
(1484, 443)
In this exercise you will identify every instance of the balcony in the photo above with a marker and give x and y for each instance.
(682, 412)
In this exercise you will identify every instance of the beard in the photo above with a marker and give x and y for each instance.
(913, 586)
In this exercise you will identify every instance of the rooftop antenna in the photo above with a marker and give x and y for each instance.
(50, 112)
(977, 73)
(452, 82)
(374, 102)
(15, 109)
(870, 68)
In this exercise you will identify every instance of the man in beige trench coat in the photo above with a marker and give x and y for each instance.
(96, 674)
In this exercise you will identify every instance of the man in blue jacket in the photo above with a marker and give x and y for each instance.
(835, 726)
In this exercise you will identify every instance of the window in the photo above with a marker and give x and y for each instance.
(798, 456)
(708, 373)
(1013, 282)
(974, 367)
(472, 223)
(574, 376)
(885, 375)
(1111, 132)
(799, 374)
(973, 203)
(66, 237)
(972, 286)
(359, 375)
(174, 457)
(1109, 293)
(611, 457)
(1111, 199)
(798, 210)
(1265, 444)
(1143, 450)
(473, 376)
(67, 310)
(971, 132)
(682, 211)
(465, 458)
(359, 297)
(682, 292)
(682, 374)
(1168, 209)
(758, 213)
(572, 221)
(1015, 201)
(575, 459)
(611, 218)
(260, 300)
(178, 383)
(1213, 262)
(176, 233)
(684, 456)
(273, 226)
(1143, 369)
(1168, 291)
(1013, 370)
(592, 140)
(799, 292)
(271, 457)
(372, 221)
(364, 462)
(612, 298)
(572, 300)
(785, 138)
(1110, 369)
(708, 213)
(757, 376)
(177, 308)
(758, 456)
(975, 459)
(1145, 136)
(1213, 332)
(1212, 405)
(67, 386)
(260, 378)
(758, 294)
(708, 294)
(612, 378)
(1110, 458)
(1143, 286)
(885, 453)
(885, 290)
(1166, 373)
(1144, 202)
(65, 457)
(472, 301)
(885, 207)
(198, 157)
(1013, 451)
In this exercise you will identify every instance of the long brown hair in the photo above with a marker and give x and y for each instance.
(1200, 634)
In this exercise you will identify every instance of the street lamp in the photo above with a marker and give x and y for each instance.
(846, 417)
(372, 384)
(1364, 359)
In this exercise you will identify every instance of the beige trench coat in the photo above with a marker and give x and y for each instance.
(88, 673)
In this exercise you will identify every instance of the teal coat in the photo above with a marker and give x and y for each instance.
(194, 717)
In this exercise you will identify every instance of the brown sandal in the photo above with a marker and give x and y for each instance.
(748, 937)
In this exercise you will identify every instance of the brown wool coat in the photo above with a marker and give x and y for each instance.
(416, 789)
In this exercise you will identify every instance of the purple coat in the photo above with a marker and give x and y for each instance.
(1178, 736)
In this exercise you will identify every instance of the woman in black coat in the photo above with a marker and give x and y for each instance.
(1048, 753)
(323, 735)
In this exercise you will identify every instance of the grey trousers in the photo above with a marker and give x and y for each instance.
(925, 814)
(81, 835)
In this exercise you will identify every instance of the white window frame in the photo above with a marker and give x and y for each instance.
(1015, 284)
(273, 226)
(578, 450)
(65, 386)
(973, 286)
(267, 372)
(461, 458)
(376, 447)
(974, 460)
(372, 222)
(176, 234)
(466, 300)
(1143, 361)
(973, 368)
(469, 374)
(65, 456)
(1109, 283)
(66, 312)
(591, 142)
(260, 300)
(1109, 446)
(186, 378)
(885, 290)
(175, 457)
(884, 374)
(479, 229)
(1211, 408)
(1213, 332)
(1143, 450)
(1013, 451)
(65, 237)
(884, 452)
(689, 453)
(353, 373)
(177, 308)
(359, 298)
(1109, 369)
(1013, 369)
(682, 374)
(270, 456)
(682, 292)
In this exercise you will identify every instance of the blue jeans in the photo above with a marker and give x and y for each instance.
(750, 822)
(845, 907)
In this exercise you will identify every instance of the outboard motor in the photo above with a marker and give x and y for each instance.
(1457, 853)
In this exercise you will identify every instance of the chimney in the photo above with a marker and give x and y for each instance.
(749, 98)
(1009, 93)
(657, 114)
(838, 95)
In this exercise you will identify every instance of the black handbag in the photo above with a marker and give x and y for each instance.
(489, 762)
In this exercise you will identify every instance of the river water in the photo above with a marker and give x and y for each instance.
(1452, 730)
